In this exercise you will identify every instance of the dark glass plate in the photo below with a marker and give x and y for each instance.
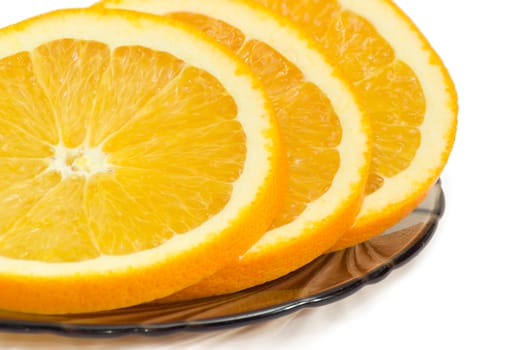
(328, 278)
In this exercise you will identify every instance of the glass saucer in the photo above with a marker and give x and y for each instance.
(328, 278)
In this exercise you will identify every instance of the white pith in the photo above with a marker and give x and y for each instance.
(79, 161)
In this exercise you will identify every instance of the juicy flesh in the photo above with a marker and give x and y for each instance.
(310, 127)
(389, 89)
(109, 151)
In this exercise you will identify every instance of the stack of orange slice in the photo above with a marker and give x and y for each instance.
(154, 148)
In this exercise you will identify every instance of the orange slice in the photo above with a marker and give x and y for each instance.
(137, 157)
(326, 134)
(406, 89)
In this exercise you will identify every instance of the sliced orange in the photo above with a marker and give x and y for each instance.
(406, 89)
(326, 133)
(137, 156)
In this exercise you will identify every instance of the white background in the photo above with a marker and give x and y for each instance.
(461, 291)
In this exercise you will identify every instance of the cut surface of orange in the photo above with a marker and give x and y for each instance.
(326, 132)
(406, 90)
(137, 156)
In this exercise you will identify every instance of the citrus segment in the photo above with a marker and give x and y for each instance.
(20, 143)
(80, 62)
(153, 149)
(324, 129)
(40, 232)
(118, 83)
(17, 170)
(36, 117)
(19, 197)
(406, 91)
